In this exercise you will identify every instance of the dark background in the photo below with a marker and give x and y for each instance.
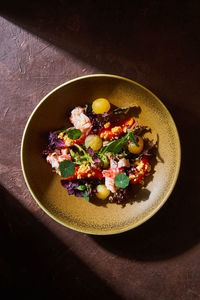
(46, 43)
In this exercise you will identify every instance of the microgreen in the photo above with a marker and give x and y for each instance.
(86, 195)
(123, 110)
(74, 134)
(83, 157)
(117, 145)
(67, 168)
(132, 137)
(121, 180)
(82, 188)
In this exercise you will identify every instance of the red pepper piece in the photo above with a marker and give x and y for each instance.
(107, 134)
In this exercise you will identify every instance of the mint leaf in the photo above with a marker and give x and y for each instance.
(67, 168)
(74, 134)
(132, 137)
(86, 196)
(82, 188)
(121, 180)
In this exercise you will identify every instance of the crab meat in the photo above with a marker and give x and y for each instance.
(123, 162)
(54, 159)
(110, 175)
(80, 120)
(109, 183)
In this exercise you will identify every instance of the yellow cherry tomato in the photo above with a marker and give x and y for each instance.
(102, 192)
(135, 149)
(100, 106)
(93, 141)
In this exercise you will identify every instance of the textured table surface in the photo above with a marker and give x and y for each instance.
(46, 43)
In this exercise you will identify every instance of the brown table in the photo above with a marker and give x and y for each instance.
(155, 43)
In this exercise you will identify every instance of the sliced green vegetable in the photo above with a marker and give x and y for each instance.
(121, 180)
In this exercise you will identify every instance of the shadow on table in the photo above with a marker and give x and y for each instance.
(153, 42)
(176, 227)
(130, 38)
(34, 264)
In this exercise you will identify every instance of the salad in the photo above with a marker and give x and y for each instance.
(103, 154)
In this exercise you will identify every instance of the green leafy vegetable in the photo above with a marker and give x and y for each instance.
(121, 180)
(82, 188)
(132, 137)
(123, 110)
(86, 196)
(117, 145)
(74, 134)
(67, 168)
(83, 157)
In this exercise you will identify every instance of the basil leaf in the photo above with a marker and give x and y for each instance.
(121, 180)
(132, 137)
(86, 196)
(74, 134)
(67, 168)
(82, 187)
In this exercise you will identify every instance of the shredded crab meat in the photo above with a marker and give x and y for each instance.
(80, 120)
(55, 159)
(109, 175)
(123, 162)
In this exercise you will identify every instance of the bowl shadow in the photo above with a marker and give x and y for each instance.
(176, 227)
(35, 264)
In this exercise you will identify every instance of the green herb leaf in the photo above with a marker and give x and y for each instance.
(132, 137)
(123, 110)
(86, 196)
(121, 180)
(116, 146)
(81, 187)
(74, 134)
(67, 168)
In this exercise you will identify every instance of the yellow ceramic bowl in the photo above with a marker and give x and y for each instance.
(77, 213)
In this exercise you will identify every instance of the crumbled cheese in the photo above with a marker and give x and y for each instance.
(107, 125)
(60, 136)
(105, 136)
(84, 169)
(117, 130)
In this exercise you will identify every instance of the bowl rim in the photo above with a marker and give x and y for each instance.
(110, 231)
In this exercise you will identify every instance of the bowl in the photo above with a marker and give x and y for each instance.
(77, 213)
